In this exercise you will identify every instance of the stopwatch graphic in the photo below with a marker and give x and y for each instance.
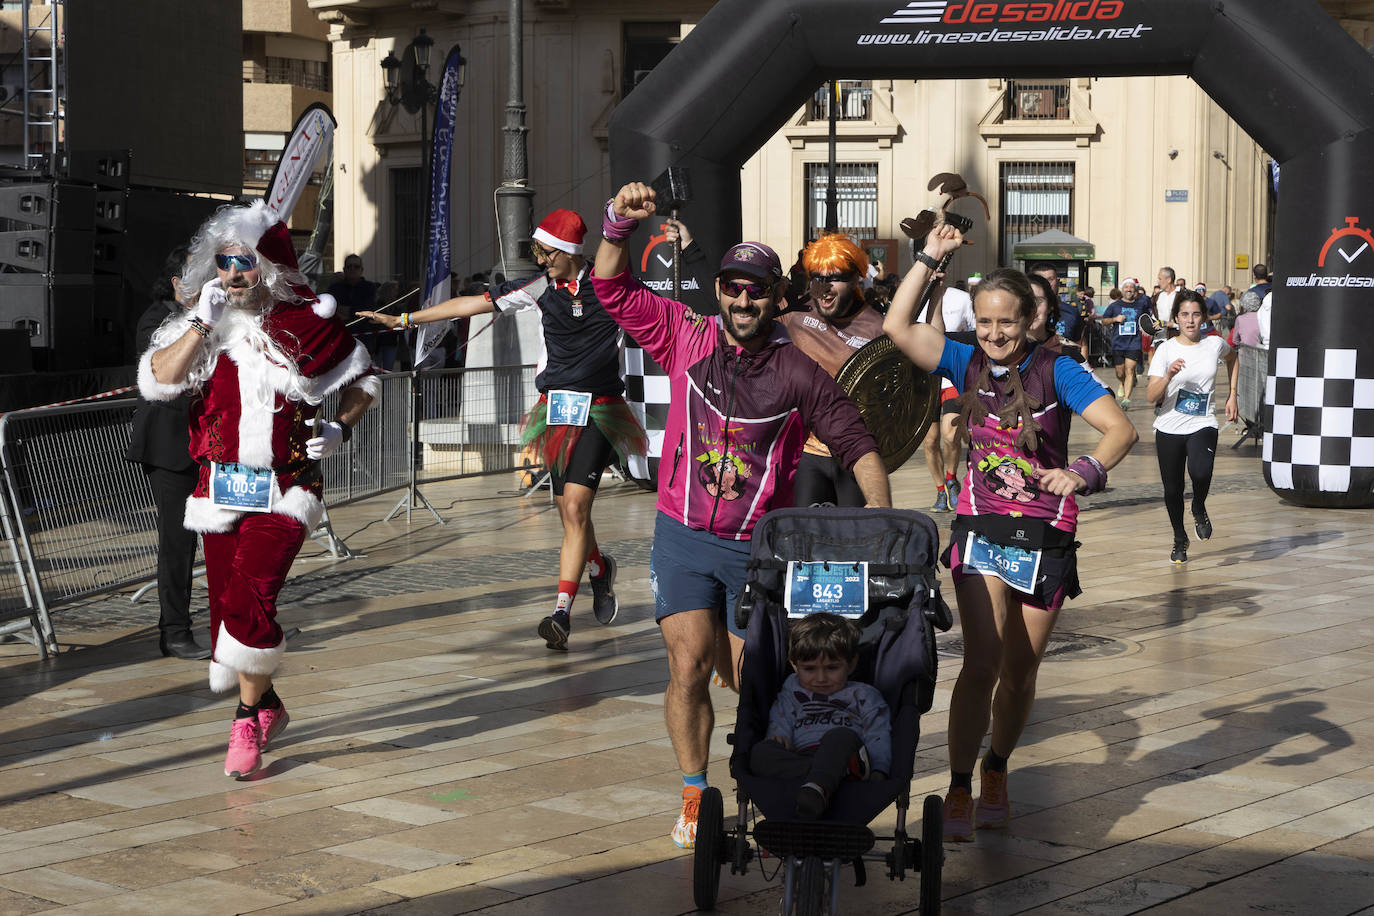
(1351, 228)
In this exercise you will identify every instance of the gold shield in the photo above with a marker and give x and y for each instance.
(897, 399)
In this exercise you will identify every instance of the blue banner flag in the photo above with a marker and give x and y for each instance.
(438, 262)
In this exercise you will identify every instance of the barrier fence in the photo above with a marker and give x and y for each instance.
(78, 520)
(1251, 380)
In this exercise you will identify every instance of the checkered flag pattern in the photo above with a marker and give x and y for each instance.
(1320, 429)
(647, 390)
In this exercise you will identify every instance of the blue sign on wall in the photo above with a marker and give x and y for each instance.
(1175, 195)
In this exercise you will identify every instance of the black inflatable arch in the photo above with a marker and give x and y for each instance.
(1286, 72)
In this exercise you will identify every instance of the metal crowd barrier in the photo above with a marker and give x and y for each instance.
(78, 520)
(1253, 377)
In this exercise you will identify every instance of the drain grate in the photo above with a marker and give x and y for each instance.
(1079, 645)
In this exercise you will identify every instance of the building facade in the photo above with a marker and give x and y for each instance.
(1149, 170)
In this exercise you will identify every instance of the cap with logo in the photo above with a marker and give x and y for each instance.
(753, 259)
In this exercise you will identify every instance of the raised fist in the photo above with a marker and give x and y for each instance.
(634, 201)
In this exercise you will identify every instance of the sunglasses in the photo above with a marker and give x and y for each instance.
(543, 254)
(845, 277)
(242, 262)
(733, 288)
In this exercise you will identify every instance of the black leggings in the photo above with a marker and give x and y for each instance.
(1197, 451)
(822, 481)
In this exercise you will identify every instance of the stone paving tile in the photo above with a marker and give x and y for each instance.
(1195, 745)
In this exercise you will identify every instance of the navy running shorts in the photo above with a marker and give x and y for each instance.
(692, 569)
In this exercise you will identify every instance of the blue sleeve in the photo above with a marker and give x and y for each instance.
(954, 360)
(1111, 311)
(877, 734)
(1075, 386)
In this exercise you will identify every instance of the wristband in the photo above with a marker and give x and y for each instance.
(200, 327)
(347, 430)
(405, 320)
(1093, 473)
(927, 260)
(615, 228)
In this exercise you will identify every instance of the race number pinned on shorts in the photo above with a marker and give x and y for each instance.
(1193, 403)
(569, 408)
(1014, 566)
(242, 488)
(832, 587)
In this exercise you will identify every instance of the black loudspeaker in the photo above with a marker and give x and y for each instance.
(59, 319)
(58, 251)
(50, 205)
(15, 355)
(104, 168)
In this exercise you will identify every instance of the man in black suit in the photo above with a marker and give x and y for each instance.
(161, 443)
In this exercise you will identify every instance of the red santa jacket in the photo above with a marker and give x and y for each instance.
(263, 384)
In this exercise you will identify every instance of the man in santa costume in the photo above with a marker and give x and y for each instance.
(581, 417)
(259, 352)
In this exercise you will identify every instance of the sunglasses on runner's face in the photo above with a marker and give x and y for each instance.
(733, 288)
(845, 277)
(544, 255)
(244, 262)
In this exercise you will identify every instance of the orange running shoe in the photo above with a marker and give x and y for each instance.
(958, 816)
(685, 830)
(994, 805)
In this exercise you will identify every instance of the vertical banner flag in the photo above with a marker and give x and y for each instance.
(437, 260)
(310, 139)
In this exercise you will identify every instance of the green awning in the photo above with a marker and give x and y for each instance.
(1053, 245)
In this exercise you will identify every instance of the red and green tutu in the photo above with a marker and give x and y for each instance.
(611, 414)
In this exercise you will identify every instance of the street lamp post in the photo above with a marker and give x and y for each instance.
(407, 84)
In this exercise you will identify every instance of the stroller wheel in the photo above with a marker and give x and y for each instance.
(810, 897)
(932, 854)
(708, 855)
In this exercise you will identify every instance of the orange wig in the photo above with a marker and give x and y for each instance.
(831, 254)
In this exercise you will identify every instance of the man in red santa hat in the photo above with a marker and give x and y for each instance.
(260, 352)
(581, 417)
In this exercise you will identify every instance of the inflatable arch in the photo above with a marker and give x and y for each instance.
(1286, 72)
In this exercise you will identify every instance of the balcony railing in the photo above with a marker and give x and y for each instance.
(285, 76)
(1037, 101)
(855, 102)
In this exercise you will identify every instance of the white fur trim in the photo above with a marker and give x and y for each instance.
(345, 373)
(255, 406)
(231, 653)
(150, 387)
(203, 517)
(300, 504)
(222, 679)
(369, 385)
(325, 306)
(553, 241)
(297, 502)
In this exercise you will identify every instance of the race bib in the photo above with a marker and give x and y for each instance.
(1014, 566)
(569, 408)
(1193, 403)
(832, 587)
(240, 487)
(1127, 328)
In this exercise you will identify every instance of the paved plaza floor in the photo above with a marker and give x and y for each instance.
(1200, 745)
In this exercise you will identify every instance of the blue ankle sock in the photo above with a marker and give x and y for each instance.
(695, 779)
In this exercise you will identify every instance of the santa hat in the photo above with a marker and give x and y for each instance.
(1131, 280)
(275, 245)
(563, 230)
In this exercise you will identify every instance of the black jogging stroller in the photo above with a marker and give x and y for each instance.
(896, 655)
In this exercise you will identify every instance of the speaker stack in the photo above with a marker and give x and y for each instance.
(61, 267)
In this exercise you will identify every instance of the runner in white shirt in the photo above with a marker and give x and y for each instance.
(1182, 387)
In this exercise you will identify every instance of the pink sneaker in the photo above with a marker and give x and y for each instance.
(271, 723)
(244, 756)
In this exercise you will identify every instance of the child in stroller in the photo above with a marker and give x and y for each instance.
(823, 727)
